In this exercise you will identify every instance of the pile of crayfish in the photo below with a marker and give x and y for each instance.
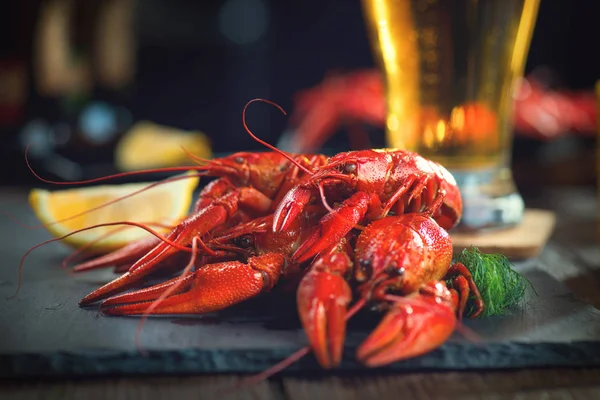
(360, 228)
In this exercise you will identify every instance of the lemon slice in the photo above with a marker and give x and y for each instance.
(138, 148)
(166, 203)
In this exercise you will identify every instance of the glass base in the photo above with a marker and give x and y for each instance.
(490, 200)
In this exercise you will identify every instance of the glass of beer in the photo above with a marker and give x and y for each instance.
(450, 69)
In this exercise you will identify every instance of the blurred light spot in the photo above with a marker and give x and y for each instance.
(243, 21)
(98, 123)
(393, 123)
(457, 119)
(36, 135)
(440, 131)
(429, 137)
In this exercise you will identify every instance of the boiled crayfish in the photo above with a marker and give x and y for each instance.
(360, 227)
(358, 97)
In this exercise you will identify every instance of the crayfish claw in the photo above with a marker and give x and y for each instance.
(212, 288)
(137, 302)
(290, 208)
(411, 328)
(334, 226)
(323, 297)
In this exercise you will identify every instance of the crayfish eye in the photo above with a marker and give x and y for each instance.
(349, 168)
(239, 160)
(394, 270)
(364, 270)
(244, 241)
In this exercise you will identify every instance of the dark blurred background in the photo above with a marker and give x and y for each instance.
(75, 75)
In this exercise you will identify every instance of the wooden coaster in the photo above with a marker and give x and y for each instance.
(525, 240)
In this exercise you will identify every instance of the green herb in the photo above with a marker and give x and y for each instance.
(501, 287)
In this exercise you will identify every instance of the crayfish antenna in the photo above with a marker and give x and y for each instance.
(266, 374)
(468, 333)
(124, 255)
(97, 263)
(268, 145)
(136, 224)
(289, 360)
(108, 203)
(195, 158)
(167, 293)
(81, 250)
(107, 177)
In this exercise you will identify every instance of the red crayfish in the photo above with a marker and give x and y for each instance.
(359, 97)
(356, 228)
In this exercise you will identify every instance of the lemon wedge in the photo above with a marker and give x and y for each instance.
(166, 203)
(151, 145)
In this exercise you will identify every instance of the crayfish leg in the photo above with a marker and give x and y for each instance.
(125, 255)
(211, 192)
(463, 282)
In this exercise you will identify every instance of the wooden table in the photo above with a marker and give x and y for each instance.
(571, 256)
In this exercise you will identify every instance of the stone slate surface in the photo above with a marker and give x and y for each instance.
(45, 332)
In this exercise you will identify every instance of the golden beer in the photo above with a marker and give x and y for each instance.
(450, 69)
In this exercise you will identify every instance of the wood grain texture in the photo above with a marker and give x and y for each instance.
(442, 386)
(521, 242)
(523, 384)
(203, 387)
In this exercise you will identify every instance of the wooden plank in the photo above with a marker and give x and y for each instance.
(552, 384)
(169, 388)
(521, 242)
(592, 393)
(519, 384)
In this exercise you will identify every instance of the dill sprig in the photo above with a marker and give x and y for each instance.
(501, 287)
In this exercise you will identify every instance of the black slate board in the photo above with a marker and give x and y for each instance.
(45, 333)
